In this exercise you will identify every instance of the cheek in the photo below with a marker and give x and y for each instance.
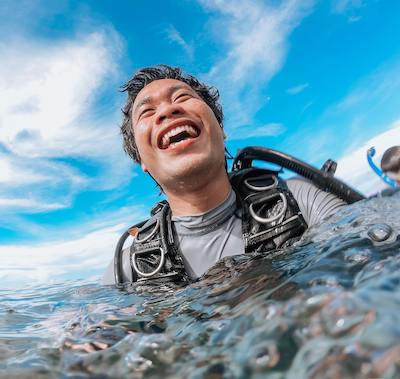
(142, 134)
(206, 113)
(141, 128)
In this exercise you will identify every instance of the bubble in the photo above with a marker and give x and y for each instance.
(379, 233)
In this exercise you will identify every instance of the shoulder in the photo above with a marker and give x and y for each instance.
(314, 203)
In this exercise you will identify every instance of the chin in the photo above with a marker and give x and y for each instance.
(193, 168)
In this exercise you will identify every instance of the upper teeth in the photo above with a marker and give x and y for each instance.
(175, 131)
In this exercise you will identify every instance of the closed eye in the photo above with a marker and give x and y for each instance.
(145, 112)
(182, 96)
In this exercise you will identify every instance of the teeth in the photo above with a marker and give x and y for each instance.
(173, 132)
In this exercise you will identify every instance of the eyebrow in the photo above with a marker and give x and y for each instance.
(149, 99)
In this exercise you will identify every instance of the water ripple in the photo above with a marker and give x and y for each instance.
(326, 307)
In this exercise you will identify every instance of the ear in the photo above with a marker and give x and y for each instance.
(224, 134)
(144, 168)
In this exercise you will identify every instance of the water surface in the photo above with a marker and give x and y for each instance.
(328, 307)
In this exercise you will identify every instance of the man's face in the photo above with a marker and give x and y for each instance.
(176, 132)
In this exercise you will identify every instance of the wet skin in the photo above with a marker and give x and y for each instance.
(191, 165)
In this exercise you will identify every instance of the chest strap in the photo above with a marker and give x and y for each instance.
(271, 219)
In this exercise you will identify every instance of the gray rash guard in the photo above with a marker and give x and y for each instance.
(206, 238)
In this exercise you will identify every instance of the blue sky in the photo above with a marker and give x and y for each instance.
(316, 79)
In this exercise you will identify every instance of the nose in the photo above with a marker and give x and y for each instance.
(168, 110)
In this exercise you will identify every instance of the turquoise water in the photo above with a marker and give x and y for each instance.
(325, 308)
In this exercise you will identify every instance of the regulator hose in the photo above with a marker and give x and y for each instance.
(323, 180)
(118, 261)
(118, 269)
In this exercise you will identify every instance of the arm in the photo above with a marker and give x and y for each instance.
(314, 204)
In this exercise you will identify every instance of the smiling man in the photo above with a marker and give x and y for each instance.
(181, 144)
(173, 127)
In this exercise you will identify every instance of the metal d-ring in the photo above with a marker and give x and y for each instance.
(264, 220)
(153, 232)
(148, 274)
(262, 188)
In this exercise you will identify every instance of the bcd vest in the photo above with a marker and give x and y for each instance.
(271, 219)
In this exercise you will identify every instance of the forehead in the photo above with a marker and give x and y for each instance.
(159, 88)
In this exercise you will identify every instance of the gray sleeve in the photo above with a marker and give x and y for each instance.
(314, 204)
(108, 277)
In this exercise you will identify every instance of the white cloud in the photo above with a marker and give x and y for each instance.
(48, 115)
(16, 171)
(53, 262)
(43, 108)
(371, 105)
(380, 86)
(174, 36)
(12, 173)
(353, 19)
(36, 185)
(30, 204)
(72, 256)
(367, 109)
(269, 130)
(297, 89)
(341, 6)
(256, 33)
(254, 48)
(354, 168)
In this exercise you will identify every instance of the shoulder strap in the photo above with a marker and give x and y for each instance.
(270, 214)
(153, 253)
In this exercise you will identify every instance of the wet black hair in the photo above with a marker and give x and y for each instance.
(146, 75)
(391, 160)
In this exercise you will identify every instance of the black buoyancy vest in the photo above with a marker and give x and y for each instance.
(271, 219)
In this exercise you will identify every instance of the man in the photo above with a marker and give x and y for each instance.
(173, 127)
(390, 163)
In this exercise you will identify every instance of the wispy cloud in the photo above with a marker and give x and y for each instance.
(269, 130)
(256, 33)
(31, 204)
(43, 109)
(341, 6)
(349, 9)
(173, 35)
(58, 261)
(372, 104)
(297, 89)
(48, 114)
(353, 19)
(255, 45)
(379, 86)
(82, 252)
(369, 107)
(31, 185)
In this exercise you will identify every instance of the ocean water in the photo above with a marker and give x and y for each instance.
(328, 307)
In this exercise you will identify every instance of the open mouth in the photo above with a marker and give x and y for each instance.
(177, 135)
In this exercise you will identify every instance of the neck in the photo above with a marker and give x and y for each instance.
(192, 197)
